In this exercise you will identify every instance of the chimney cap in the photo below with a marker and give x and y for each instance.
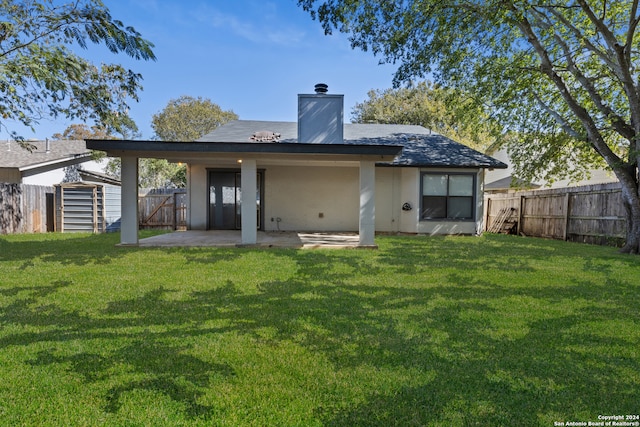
(321, 88)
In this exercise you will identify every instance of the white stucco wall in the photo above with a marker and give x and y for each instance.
(303, 198)
(387, 199)
(197, 195)
(326, 198)
(311, 198)
(397, 186)
(410, 193)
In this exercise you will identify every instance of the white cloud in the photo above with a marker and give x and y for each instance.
(262, 26)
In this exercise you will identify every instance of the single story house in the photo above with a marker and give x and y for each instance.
(317, 174)
(42, 165)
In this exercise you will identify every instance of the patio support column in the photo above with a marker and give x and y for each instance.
(129, 200)
(249, 210)
(367, 222)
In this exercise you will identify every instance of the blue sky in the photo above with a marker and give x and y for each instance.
(249, 56)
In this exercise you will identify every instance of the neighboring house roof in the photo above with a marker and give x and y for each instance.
(60, 153)
(594, 176)
(505, 184)
(421, 147)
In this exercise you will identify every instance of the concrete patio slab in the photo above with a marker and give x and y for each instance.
(232, 238)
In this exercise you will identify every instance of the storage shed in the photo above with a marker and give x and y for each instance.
(91, 208)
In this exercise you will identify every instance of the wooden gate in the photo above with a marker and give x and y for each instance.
(163, 209)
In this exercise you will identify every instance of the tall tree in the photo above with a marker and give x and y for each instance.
(188, 118)
(448, 112)
(153, 173)
(562, 75)
(78, 131)
(41, 74)
(183, 119)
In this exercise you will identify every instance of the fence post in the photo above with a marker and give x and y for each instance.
(487, 214)
(175, 211)
(565, 231)
(520, 215)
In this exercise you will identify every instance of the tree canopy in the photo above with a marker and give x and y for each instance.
(562, 76)
(41, 75)
(80, 131)
(188, 118)
(153, 173)
(183, 119)
(445, 111)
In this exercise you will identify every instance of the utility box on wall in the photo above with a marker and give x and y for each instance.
(87, 208)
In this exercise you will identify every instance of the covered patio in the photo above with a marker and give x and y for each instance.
(249, 158)
(264, 239)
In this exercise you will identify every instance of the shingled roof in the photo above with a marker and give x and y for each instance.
(60, 154)
(421, 147)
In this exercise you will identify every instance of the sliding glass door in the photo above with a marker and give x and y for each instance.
(225, 200)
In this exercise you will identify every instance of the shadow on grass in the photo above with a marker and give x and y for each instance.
(164, 369)
(77, 249)
(499, 356)
(156, 364)
(87, 249)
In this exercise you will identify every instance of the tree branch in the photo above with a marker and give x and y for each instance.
(31, 41)
(546, 67)
(617, 121)
(41, 20)
(622, 55)
(633, 24)
(587, 43)
(558, 118)
(602, 28)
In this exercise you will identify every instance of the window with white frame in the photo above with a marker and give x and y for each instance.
(447, 196)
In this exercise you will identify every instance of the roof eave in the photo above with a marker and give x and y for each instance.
(37, 168)
(443, 166)
(120, 148)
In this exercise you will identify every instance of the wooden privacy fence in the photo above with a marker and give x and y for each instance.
(588, 214)
(163, 209)
(31, 209)
(26, 208)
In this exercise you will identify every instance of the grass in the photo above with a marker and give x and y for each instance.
(455, 331)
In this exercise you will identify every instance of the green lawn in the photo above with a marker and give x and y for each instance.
(457, 331)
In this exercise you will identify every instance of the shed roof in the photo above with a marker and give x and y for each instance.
(97, 177)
